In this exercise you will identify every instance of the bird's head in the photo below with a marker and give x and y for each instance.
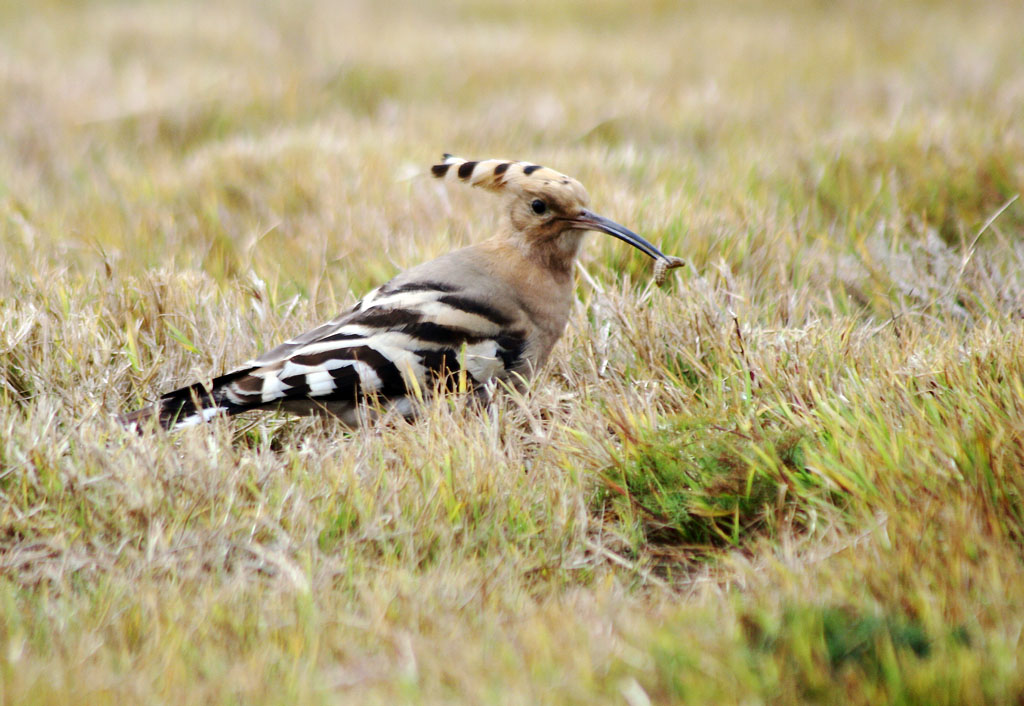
(547, 210)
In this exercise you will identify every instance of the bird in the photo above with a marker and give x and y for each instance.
(466, 320)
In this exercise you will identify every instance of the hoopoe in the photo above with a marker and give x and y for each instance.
(487, 312)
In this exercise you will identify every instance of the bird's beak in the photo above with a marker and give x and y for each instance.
(587, 220)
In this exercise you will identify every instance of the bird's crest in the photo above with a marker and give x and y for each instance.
(503, 175)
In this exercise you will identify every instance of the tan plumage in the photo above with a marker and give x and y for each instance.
(489, 311)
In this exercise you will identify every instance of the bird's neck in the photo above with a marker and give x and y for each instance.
(541, 275)
(553, 254)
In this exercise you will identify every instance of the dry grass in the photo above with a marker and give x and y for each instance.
(793, 474)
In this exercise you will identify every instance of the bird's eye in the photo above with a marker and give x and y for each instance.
(539, 207)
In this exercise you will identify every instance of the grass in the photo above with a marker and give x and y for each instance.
(790, 475)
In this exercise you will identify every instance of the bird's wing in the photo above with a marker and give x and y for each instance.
(401, 337)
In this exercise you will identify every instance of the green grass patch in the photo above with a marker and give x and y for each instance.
(701, 486)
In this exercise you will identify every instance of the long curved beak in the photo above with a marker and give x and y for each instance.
(587, 220)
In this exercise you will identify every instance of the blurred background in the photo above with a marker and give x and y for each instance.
(282, 138)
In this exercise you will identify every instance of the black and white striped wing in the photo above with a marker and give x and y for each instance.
(398, 339)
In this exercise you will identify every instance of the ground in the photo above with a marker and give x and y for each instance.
(791, 474)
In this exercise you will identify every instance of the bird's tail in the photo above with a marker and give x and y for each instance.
(188, 406)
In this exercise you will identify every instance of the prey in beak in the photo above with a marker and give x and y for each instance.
(588, 220)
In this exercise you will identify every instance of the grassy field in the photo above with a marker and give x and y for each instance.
(792, 474)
